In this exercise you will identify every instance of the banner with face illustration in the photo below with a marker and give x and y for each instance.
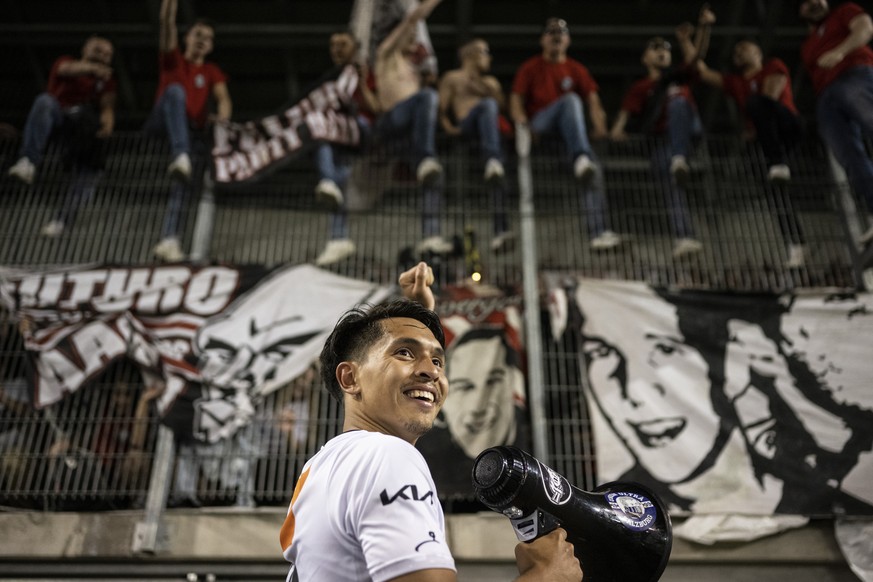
(485, 364)
(217, 337)
(725, 403)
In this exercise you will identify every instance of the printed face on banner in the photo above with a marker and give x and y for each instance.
(480, 409)
(243, 354)
(650, 385)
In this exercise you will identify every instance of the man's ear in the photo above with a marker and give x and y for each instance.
(346, 376)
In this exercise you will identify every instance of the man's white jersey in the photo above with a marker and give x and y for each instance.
(365, 508)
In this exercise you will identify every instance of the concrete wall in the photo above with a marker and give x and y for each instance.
(244, 545)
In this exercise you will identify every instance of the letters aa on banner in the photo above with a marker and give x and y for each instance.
(218, 337)
(485, 364)
(726, 403)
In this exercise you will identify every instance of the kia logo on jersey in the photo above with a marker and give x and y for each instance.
(408, 493)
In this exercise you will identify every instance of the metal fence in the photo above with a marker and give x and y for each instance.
(95, 449)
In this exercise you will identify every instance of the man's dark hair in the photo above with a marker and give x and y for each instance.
(513, 357)
(358, 329)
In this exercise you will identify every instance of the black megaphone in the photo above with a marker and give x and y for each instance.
(621, 531)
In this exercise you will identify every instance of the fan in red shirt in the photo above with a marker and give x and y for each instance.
(78, 105)
(661, 105)
(79, 100)
(762, 92)
(840, 63)
(186, 84)
(547, 93)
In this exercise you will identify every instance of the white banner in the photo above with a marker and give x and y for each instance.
(725, 403)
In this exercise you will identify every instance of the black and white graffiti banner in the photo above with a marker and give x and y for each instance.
(218, 337)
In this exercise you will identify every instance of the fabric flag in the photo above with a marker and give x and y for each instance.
(245, 151)
(372, 20)
(487, 404)
(217, 337)
(728, 403)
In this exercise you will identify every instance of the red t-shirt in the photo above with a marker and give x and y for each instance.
(637, 97)
(738, 87)
(77, 90)
(541, 82)
(197, 80)
(831, 32)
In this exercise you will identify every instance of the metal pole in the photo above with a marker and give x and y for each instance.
(145, 534)
(533, 335)
(204, 223)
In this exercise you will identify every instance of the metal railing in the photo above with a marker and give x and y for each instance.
(94, 450)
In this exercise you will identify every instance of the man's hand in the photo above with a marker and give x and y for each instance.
(684, 32)
(831, 59)
(706, 17)
(415, 284)
(548, 558)
(101, 71)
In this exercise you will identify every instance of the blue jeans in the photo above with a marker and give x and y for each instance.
(180, 192)
(674, 195)
(482, 121)
(169, 118)
(44, 117)
(565, 117)
(845, 116)
(80, 191)
(683, 124)
(415, 118)
(335, 164)
(328, 168)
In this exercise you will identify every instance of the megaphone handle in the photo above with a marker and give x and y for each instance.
(533, 526)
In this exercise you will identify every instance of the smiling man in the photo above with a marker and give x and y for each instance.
(365, 506)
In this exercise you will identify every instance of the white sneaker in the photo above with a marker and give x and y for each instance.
(680, 170)
(605, 240)
(168, 250)
(52, 229)
(436, 245)
(779, 174)
(503, 242)
(335, 251)
(23, 170)
(494, 170)
(429, 170)
(686, 246)
(584, 169)
(796, 256)
(180, 168)
(329, 195)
